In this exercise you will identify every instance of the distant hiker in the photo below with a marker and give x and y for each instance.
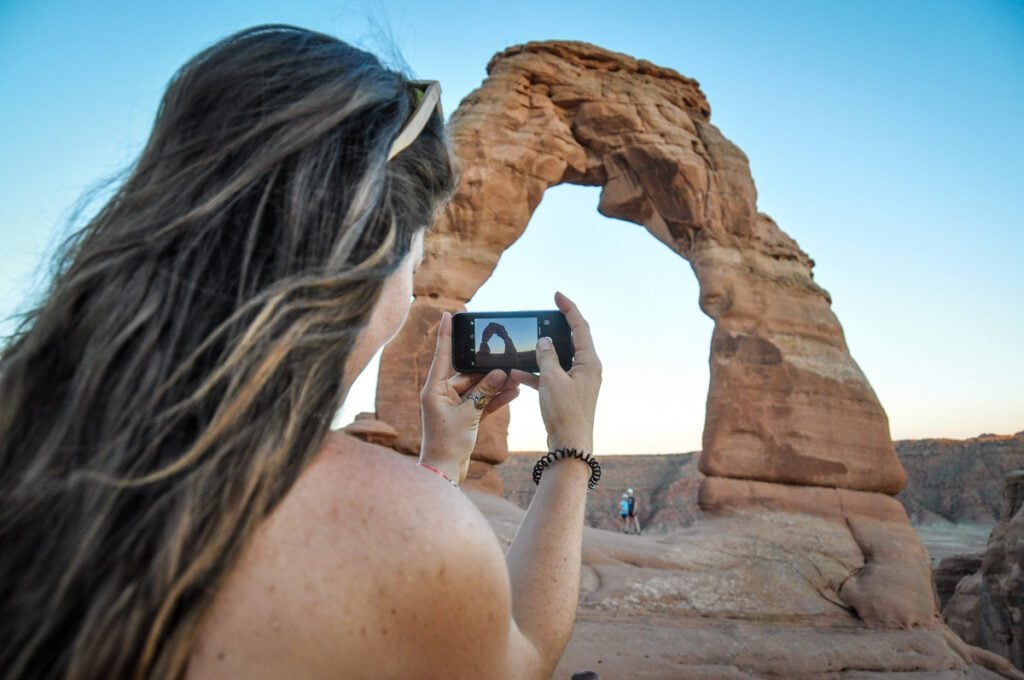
(631, 519)
(624, 506)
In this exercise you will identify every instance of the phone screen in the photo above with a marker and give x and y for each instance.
(482, 341)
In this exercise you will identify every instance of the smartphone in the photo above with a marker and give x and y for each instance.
(483, 341)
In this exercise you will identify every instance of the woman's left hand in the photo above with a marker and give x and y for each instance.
(453, 405)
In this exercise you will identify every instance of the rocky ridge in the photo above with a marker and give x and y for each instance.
(958, 480)
(949, 481)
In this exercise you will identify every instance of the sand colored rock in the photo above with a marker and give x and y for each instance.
(892, 587)
(720, 495)
(959, 481)
(987, 608)
(365, 426)
(755, 594)
(786, 403)
(404, 365)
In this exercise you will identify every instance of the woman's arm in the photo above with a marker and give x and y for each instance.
(544, 558)
(544, 561)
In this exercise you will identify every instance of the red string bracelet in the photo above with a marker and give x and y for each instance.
(438, 472)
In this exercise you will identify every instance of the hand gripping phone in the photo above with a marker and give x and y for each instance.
(483, 341)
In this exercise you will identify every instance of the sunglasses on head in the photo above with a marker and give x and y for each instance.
(427, 94)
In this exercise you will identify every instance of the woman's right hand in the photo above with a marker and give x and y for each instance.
(567, 399)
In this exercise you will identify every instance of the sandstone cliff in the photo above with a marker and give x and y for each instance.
(958, 480)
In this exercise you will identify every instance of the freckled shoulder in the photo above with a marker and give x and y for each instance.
(369, 567)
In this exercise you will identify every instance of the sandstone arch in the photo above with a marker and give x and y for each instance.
(786, 401)
(803, 546)
(492, 330)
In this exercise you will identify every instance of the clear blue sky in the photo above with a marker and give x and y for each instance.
(883, 136)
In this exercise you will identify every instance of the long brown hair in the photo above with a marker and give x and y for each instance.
(185, 365)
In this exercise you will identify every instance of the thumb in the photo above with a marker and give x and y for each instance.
(547, 358)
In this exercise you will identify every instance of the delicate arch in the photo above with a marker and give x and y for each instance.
(786, 401)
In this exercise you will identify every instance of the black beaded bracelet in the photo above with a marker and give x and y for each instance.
(558, 454)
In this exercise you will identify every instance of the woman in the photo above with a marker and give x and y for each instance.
(172, 502)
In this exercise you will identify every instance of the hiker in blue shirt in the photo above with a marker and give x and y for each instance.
(631, 518)
(624, 506)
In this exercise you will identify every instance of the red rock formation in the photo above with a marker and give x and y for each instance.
(797, 451)
(786, 401)
(987, 608)
(369, 429)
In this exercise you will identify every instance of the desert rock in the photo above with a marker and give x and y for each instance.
(365, 426)
(949, 481)
(987, 608)
(958, 480)
(787, 403)
(665, 486)
(755, 594)
(951, 571)
(803, 564)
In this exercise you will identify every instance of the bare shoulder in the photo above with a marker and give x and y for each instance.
(370, 567)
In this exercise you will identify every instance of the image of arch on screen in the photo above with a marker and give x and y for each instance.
(509, 342)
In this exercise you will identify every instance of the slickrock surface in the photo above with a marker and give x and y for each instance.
(754, 595)
(987, 608)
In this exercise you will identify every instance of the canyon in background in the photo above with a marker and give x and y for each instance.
(953, 493)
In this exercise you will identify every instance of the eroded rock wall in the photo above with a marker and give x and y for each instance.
(987, 608)
(958, 480)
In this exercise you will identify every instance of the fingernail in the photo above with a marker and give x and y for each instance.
(544, 343)
(496, 379)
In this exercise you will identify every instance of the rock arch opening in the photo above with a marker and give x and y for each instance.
(786, 402)
(641, 301)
